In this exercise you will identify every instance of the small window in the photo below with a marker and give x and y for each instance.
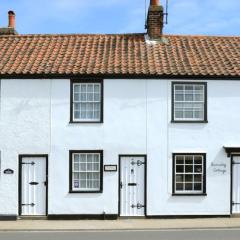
(189, 102)
(86, 102)
(86, 171)
(189, 173)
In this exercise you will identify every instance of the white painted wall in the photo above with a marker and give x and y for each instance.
(35, 118)
(24, 129)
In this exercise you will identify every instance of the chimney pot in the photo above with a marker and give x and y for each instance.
(155, 3)
(11, 19)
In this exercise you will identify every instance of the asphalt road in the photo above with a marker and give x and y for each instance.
(223, 234)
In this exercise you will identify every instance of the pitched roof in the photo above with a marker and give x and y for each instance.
(119, 55)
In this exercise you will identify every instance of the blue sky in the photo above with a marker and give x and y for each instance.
(211, 17)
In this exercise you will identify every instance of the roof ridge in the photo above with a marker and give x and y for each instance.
(74, 34)
(199, 36)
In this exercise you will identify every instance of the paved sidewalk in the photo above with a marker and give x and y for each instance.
(123, 224)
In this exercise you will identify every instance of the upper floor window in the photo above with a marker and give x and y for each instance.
(189, 173)
(189, 102)
(86, 102)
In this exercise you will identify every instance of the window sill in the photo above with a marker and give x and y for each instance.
(178, 121)
(189, 194)
(100, 191)
(85, 122)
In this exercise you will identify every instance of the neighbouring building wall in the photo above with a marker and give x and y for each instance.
(24, 129)
(165, 138)
(35, 119)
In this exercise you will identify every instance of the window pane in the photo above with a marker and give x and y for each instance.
(199, 87)
(188, 159)
(90, 97)
(89, 158)
(83, 97)
(198, 114)
(198, 168)
(76, 157)
(179, 187)
(83, 176)
(77, 88)
(189, 97)
(179, 159)
(178, 87)
(180, 168)
(179, 114)
(90, 88)
(188, 114)
(76, 176)
(179, 178)
(83, 167)
(83, 157)
(96, 184)
(76, 166)
(96, 88)
(179, 97)
(189, 186)
(188, 178)
(197, 178)
(189, 87)
(96, 97)
(83, 184)
(83, 87)
(76, 106)
(189, 168)
(199, 97)
(198, 159)
(197, 186)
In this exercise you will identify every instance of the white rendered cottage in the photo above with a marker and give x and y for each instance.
(101, 126)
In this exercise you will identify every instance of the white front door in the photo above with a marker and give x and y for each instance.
(33, 188)
(236, 185)
(132, 185)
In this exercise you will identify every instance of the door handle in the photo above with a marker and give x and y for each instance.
(132, 184)
(33, 183)
(29, 204)
(121, 185)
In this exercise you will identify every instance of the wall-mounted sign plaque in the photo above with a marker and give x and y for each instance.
(110, 168)
(8, 171)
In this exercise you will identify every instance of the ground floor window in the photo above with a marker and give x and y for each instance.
(189, 173)
(86, 169)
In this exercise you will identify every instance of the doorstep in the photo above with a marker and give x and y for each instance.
(120, 224)
(32, 218)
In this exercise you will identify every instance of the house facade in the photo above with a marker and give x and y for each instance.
(108, 126)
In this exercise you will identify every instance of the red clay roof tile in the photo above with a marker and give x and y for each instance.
(120, 54)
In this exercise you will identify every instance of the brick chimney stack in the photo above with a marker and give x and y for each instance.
(10, 30)
(11, 19)
(155, 20)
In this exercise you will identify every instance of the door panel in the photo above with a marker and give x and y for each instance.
(132, 186)
(33, 185)
(236, 185)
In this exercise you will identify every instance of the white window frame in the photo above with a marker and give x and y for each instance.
(193, 173)
(184, 101)
(93, 101)
(79, 171)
